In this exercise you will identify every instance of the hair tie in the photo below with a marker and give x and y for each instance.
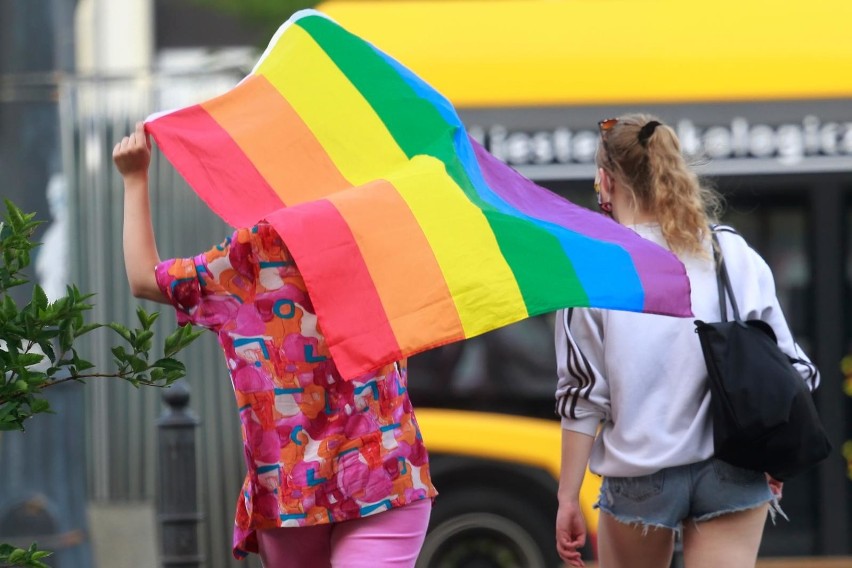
(646, 131)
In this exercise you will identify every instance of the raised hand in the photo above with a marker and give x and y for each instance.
(132, 155)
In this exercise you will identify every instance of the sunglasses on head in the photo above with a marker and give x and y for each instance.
(644, 134)
(606, 125)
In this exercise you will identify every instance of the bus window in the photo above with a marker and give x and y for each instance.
(510, 370)
(778, 230)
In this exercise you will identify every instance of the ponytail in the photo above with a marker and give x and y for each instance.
(645, 156)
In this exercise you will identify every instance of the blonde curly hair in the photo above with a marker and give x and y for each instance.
(647, 160)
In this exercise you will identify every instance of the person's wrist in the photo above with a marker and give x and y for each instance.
(136, 179)
(568, 498)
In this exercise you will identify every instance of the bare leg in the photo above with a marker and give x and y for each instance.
(729, 540)
(631, 546)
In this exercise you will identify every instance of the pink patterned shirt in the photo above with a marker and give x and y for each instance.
(318, 449)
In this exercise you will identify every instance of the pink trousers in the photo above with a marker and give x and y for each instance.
(391, 539)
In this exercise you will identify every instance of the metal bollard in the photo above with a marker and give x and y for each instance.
(177, 502)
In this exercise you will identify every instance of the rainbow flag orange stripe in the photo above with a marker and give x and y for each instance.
(408, 233)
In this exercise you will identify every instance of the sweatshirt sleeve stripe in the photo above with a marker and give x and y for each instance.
(579, 368)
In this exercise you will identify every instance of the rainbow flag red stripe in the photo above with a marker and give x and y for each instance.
(408, 233)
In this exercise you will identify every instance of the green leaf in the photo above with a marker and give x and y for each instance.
(16, 216)
(27, 359)
(172, 376)
(84, 329)
(39, 297)
(6, 409)
(142, 316)
(143, 340)
(186, 335)
(121, 330)
(172, 343)
(146, 320)
(10, 308)
(39, 405)
(47, 349)
(137, 364)
(66, 337)
(82, 364)
(140, 378)
(169, 364)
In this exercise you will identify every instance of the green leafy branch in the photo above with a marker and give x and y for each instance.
(37, 348)
(28, 557)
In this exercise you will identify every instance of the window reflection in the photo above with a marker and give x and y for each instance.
(780, 234)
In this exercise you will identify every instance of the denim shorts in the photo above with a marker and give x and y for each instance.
(698, 491)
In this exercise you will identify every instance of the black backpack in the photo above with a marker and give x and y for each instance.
(764, 416)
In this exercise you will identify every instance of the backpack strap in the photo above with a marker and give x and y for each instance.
(724, 283)
(722, 279)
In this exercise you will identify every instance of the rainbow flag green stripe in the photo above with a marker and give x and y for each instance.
(408, 233)
(416, 124)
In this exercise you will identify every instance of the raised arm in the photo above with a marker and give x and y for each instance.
(132, 156)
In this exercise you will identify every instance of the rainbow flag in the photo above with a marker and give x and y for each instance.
(408, 233)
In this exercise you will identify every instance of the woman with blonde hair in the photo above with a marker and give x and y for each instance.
(632, 388)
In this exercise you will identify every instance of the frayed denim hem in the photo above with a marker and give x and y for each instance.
(639, 522)
(774, 510)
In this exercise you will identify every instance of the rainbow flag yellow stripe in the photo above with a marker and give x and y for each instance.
(408, 233)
